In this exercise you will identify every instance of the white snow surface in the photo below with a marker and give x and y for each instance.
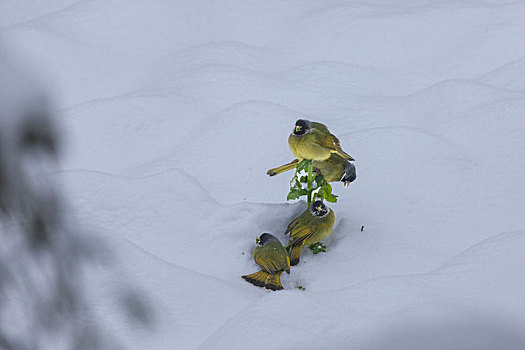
(174, 110)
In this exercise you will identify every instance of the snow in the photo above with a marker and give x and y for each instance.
(174, 110)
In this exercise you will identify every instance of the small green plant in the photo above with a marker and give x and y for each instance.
(317, 248)
(306, 182)
(301, 288)
(362, 228)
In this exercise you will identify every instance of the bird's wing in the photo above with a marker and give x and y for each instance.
(267, 264)
(335, 141)
(291, 225)
(332, 142)
(301, 234)
(320, 127)
(284, 260)
(328, 141)
(324, 139)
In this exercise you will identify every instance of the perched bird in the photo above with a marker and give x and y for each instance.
(273, 259)
(333, 169)
(336, 168)
(311, 140)
(314, 224)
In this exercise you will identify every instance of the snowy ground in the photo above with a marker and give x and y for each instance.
(174, 110)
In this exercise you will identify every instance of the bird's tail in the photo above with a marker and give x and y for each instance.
(265, 280)
(282, 168)
(273, 282)
(295, 254)
(343, 154)
(257, 278)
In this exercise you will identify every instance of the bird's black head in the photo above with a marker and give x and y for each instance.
(350, 174)
(319, 209)
(302, 126)
(264, 239)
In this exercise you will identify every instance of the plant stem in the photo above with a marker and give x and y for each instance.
(310, 180)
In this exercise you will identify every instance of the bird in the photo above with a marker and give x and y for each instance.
(333, 169)
(336, 168)
(312, 140)
(314, 224)
(273, 259)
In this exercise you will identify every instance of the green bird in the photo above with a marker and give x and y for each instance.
(311, 140)
(273, 259)
(335, 168)
(313, 225)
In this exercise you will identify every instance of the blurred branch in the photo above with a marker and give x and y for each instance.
(42, 256)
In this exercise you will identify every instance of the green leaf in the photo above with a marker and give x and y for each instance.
(294, 194)
(303, 165)
(332, 198)
(316, 183)
(317, 248)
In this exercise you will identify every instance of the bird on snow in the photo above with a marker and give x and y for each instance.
(313, 225)
(273, 259)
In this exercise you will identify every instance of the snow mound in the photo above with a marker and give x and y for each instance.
(174, 111)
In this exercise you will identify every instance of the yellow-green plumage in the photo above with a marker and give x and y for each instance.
(335, 168)
(316, 143)
(273, 260)
(308, 229)
(282, 168)
(332, 169)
